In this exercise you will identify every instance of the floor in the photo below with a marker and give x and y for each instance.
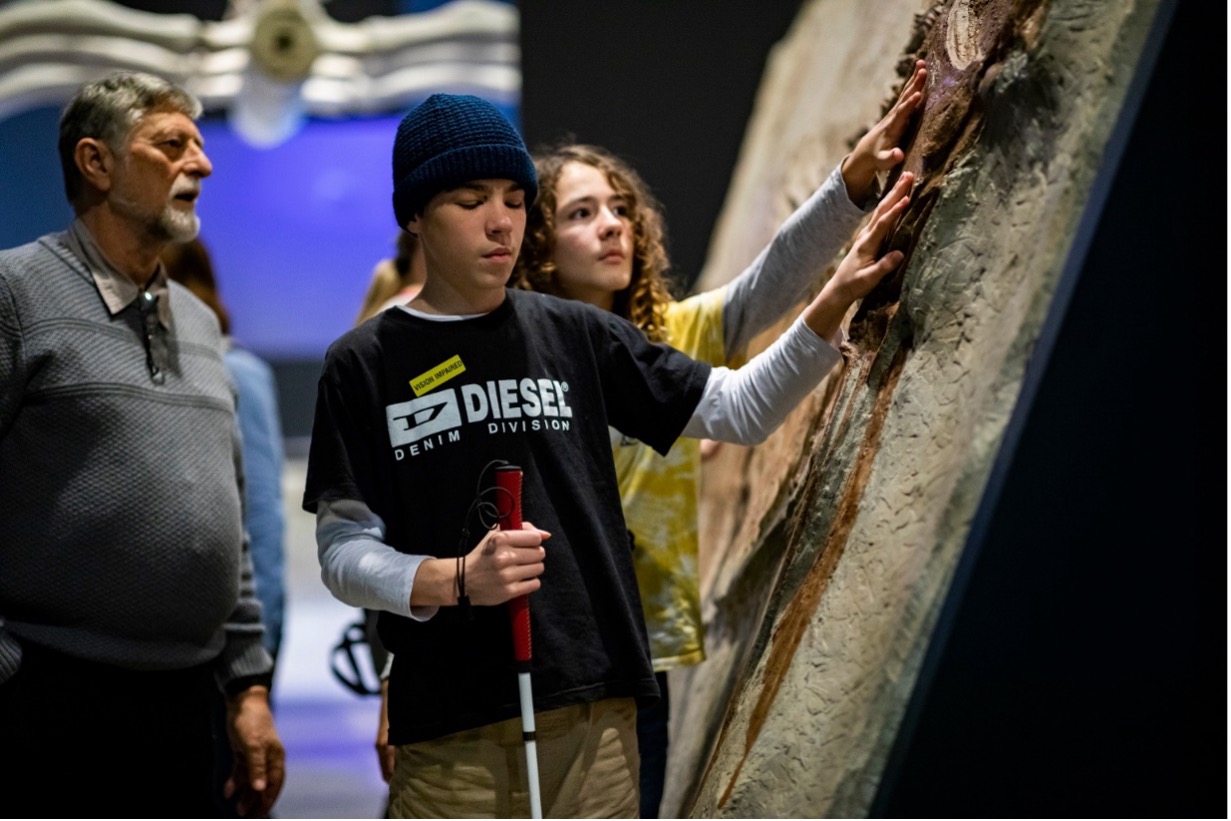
(328, 731)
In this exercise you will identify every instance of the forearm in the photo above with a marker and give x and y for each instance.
(361, 570)
(745, 406)
(244, 658)
(792, 263)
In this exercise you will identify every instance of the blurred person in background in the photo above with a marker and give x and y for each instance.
(395, 280)
(260, 431)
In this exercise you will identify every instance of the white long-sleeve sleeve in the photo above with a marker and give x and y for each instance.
(745, 406)
(356, 564)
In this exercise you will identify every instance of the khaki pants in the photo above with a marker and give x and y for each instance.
(588, 768)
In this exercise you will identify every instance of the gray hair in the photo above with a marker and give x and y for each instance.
(107, 109)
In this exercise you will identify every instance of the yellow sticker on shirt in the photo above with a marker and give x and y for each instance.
(438, 375)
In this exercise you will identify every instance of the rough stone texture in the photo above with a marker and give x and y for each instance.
(828, 550)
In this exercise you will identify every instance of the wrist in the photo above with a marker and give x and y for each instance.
(825, 313)
(257, 693)
(433, 585)
(858, 173)
(237, 687)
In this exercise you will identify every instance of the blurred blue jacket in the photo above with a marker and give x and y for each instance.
(264, 517)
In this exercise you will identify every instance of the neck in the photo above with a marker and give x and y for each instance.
(438, 297)
(133, 255)
(596, 297)
(604, 300)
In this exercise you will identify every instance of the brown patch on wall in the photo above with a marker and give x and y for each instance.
(799, 612)
(963, 42)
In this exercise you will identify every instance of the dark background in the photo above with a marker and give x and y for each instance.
(667, 84)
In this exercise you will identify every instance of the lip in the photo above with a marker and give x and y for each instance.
(612, 256)
(500, 254)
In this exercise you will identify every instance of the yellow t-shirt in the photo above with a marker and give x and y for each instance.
(659, 495)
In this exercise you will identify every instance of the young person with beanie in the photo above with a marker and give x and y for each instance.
(414, 411)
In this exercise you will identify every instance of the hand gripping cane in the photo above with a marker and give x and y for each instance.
(508, 511)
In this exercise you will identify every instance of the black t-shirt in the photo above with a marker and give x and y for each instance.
(410, 415)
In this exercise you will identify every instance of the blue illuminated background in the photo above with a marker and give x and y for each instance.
(294, 230)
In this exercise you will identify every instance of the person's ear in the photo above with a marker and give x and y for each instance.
(412, 227)
(95, 162)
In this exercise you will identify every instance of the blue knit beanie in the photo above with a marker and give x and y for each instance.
(451, 139)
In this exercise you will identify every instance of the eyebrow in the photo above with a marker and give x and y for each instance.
(590, 198)
(174, 131)
(578, 201)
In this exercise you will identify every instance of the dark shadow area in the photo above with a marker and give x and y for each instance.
(1083, 672)
(667, 85)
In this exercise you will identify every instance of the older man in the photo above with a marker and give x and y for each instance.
(126, 601)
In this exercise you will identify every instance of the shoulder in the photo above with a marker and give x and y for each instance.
(699, 309)
(247, 366)
(548, 308)
(536, 302)
(257, 389)
(34, 259)
(44, 279)
(194, 320)
(695, 325)
(356, 345)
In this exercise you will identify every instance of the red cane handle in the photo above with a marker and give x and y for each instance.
(519, 612)
(508, 511)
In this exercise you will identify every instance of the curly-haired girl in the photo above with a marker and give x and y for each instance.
(596, 234)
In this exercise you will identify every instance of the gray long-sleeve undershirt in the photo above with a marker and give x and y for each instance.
(793, 261)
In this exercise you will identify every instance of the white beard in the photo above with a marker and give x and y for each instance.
(166, 224)
(178, 226)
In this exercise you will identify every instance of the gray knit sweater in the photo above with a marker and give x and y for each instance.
(120, 530)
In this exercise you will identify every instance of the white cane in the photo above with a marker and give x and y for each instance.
(508, 508)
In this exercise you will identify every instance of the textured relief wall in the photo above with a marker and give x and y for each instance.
(827, 551)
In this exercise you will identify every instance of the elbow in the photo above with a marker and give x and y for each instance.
(754, 426)
(746, 436)
(332, 578)
(758, 437)
(327, 578)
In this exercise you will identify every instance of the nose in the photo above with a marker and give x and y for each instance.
(610, 225)
(500, 221)
(199, 165)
